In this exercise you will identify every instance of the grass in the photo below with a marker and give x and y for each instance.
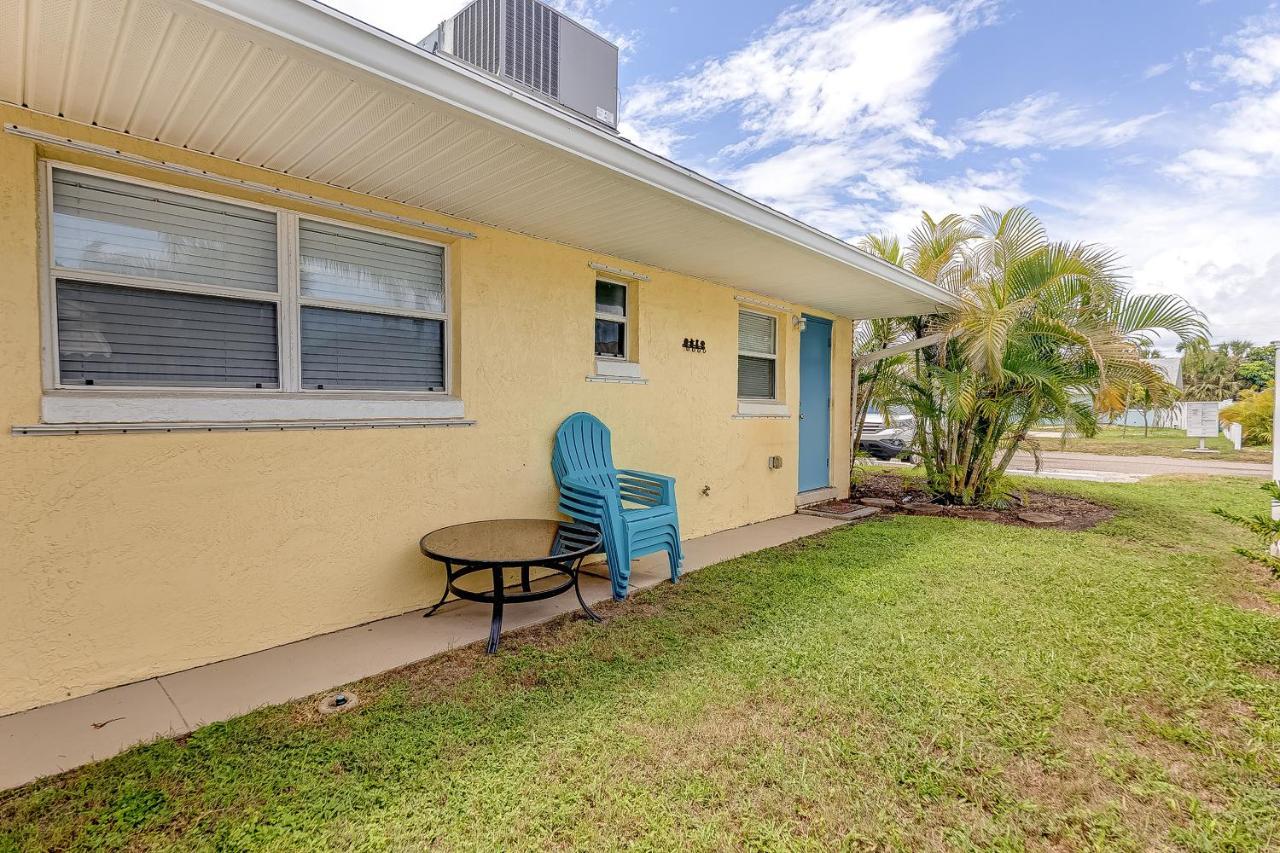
(909, 684)
(1115, 441)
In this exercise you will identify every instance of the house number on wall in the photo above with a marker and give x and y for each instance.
(695, 345)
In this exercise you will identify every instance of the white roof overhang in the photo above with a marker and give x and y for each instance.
(297, 88)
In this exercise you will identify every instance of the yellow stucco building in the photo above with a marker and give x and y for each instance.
(220, 436)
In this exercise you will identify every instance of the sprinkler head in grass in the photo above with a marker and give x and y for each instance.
(343, 700)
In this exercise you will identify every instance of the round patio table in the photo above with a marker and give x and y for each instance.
(525, 544)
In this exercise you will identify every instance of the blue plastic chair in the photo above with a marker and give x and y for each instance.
(634, 510)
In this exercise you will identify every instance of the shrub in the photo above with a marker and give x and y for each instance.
(1255, 412)
(1266, 528)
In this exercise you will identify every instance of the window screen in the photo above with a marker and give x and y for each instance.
(757, 356)
(353, 350)
(611, 319)
(347, 265)
(383, 351)
(114, 227)
(128, 336)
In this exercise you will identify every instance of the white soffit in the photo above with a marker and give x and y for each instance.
(297, 88)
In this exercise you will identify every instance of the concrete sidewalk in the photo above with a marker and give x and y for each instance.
(68, 734)
(1097, 468)
(1142, 466)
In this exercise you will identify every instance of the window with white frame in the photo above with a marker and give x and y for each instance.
(611, 319)
(158, 288)
(757, 356)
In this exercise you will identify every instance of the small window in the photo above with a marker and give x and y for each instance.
(611, 319)
(757, 356)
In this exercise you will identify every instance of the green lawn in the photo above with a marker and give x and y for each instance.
(913, 684)
(1115, 441)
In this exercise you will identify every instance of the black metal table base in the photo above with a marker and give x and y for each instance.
(499, 596)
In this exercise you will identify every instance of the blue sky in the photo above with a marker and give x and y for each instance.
(1150, 125)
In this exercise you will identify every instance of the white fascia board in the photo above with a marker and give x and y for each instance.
(352, 42)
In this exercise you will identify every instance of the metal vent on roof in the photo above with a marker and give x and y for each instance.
(530, 44)
(476, 34)
(533, 46)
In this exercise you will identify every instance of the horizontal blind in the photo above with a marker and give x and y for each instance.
(756, 333)
(352, 350)
(115, 227)
(111, 335)
(346, 265)
(756, 377)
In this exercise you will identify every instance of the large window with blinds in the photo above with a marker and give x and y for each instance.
(156, 288)
(757, 356)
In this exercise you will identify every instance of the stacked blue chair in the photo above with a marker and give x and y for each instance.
(635, 510)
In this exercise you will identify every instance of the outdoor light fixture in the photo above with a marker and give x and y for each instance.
(799, 322)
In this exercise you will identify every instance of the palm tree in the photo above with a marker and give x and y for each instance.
(1215, 373)
(1044, 328)
(936, 252)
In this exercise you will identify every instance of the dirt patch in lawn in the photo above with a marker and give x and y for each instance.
(1027, 508)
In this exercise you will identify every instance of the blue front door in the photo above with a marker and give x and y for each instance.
(815, 404)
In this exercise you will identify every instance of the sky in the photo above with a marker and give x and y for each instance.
(1151, 126)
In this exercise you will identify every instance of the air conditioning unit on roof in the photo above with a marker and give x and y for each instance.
(528, 43)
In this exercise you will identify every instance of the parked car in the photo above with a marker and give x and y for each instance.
(888, 438)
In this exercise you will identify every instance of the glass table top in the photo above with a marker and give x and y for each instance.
(511, 541)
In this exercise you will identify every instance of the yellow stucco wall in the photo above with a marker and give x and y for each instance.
(128, 556)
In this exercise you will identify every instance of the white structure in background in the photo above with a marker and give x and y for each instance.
(1202, 422)
(1173, 417)
(1171, 367)
(1275, 447)
(1235, 433)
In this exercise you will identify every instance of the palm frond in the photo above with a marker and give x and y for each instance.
(887, 247)
(1140, 315)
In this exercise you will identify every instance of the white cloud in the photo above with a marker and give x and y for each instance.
(876, 186)
(409, 21)
(1255, 56)
(820, 72)
(1241, 146)
(661, 140)
(1157, 70)
(1045, 121)
(1209, 234)
(1219, 254)
(1000, 188)
(829, 101)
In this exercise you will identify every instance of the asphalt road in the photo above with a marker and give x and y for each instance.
(1139, 465)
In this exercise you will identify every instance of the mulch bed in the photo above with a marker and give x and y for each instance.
(1028, 508)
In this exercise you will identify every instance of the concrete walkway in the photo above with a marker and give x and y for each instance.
(68, 734)
(1094, 467)
(1139, 466)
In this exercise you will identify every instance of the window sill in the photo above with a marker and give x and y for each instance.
(233, 426)
(762, 409)
(619, 371)
(86, 407)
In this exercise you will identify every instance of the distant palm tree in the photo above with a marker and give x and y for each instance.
(1045, 328)
(1213, 373)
